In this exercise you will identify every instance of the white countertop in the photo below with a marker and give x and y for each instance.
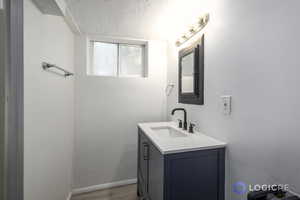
(193, 142)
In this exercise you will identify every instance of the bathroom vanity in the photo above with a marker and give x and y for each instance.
(176, 165)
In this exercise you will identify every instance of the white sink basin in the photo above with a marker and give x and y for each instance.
(169, 139)
(167, 132)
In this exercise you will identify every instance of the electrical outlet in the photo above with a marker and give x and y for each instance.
(226, 104)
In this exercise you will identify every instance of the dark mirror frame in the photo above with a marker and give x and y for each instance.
(197, 97)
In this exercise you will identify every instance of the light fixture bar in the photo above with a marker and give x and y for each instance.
(203, 21)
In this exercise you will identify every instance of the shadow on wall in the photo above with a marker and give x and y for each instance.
(125, 163)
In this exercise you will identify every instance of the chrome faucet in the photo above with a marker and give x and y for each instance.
(185, 120)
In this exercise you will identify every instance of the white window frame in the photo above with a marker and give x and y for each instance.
(118, 41)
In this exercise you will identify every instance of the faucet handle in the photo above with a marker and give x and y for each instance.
(191, 128)
(179, 123)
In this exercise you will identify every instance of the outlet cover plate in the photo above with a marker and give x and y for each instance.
(226, 101)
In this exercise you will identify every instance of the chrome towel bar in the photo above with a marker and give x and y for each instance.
(47, 66)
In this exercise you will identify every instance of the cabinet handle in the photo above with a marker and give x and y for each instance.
(146, 151)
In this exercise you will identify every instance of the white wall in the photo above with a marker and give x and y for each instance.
(107, 111)
(251, 53)
(49, 107)
(2, 98)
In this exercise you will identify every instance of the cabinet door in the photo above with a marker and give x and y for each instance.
(156, 174)
(195, 176)
(143, 160)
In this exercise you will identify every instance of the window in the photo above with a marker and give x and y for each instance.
(117, 59)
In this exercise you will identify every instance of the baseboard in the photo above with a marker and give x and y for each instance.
(103, 186)
(69, 196)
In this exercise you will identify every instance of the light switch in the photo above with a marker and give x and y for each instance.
(226, 104)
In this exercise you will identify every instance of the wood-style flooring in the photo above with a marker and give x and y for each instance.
(127, 192)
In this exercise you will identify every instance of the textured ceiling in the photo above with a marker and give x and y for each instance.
(128, 18)
(146, 19)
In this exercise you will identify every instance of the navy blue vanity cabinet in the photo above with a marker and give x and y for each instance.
(194, 175)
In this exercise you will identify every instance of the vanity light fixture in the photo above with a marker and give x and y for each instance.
(203, 21)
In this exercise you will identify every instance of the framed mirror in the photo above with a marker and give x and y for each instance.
(191, 74)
